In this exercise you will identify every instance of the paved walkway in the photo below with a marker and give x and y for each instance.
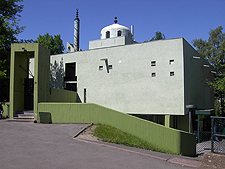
(30, 145)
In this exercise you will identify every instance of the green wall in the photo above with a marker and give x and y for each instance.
(59, 95)
(167, 138)
(20, 54)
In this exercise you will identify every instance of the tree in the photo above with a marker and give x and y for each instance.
(158, 36)
(55, 44)
(9, 14)
(213, 50)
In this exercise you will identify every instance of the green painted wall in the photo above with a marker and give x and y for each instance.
(20, 54)
(59, 95)
(167, 138)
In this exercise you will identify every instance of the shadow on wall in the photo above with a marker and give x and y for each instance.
(45, 117)
(78, 99)
(56, 74)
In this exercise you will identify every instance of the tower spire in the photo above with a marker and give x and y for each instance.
(76, 32)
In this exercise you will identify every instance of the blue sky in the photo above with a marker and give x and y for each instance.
(174, 18)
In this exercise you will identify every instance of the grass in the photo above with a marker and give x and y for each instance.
(113, 135)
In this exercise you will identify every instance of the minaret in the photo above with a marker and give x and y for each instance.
(76, 32)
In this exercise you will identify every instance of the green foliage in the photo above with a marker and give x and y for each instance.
(213, 50)
(112, 135)
(158, 36)
(3, 71)
(9, 28)
(55, 44)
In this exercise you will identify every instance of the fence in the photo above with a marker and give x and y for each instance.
(203, 142)
(218, 134)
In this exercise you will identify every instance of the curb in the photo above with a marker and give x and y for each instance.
(122, 149)
(82, 130)
(178, 161)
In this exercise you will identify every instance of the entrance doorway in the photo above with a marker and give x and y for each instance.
(28, 93)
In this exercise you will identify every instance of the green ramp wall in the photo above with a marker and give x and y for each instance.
(176, 141)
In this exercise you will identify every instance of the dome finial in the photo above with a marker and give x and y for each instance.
(77, 13)
(115, 21)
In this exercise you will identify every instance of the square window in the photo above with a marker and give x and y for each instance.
(110, 66)
(154, 74)
(171, 62)
(100, 67)
(153, 63)
(171, 73)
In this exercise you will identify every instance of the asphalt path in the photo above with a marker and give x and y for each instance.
(32, 145)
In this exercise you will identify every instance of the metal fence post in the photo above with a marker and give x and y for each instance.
(212, 135)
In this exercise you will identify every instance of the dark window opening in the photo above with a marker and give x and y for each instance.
(119, 33)
(100, 68)
(153, 63)
(171, 73)
(107, 34)
(171, 62)
(71, 86)
(70, 75)
(70, 69)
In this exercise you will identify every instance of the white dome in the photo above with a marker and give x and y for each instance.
(115, 30)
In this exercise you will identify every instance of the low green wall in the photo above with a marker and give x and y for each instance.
(166, 138)
(60, 95)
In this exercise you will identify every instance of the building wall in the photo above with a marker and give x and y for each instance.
(129, 86)
(118, 41)
(197, 92)
(58, 95)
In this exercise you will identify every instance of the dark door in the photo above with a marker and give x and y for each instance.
(28, 93)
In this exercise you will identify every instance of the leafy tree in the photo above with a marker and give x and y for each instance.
(55, 44)
(9, 14)
(158, 36)
(213, 50)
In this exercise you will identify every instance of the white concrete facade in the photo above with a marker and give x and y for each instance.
(157, 77)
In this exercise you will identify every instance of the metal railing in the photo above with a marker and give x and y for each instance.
(203, 142)
(218, 134)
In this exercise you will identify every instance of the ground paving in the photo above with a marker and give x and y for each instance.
(30, 145)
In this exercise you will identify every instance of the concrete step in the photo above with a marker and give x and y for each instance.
(26, 116)
(20, 120)
(23, 116)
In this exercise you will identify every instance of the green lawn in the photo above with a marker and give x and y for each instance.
(112, 135)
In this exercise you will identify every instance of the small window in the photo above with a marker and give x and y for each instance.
(110, 66)
(107, 34)
(119, 33)
(154, 74)
(171, 73)
(100, 67)
(153, 63)
(171, 62)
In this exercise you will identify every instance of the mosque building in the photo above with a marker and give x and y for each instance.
(159, 80)
(113, 82)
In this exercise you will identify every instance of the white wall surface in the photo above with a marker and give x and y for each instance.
(129, 86)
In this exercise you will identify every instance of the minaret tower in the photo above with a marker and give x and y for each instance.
(76, 32)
